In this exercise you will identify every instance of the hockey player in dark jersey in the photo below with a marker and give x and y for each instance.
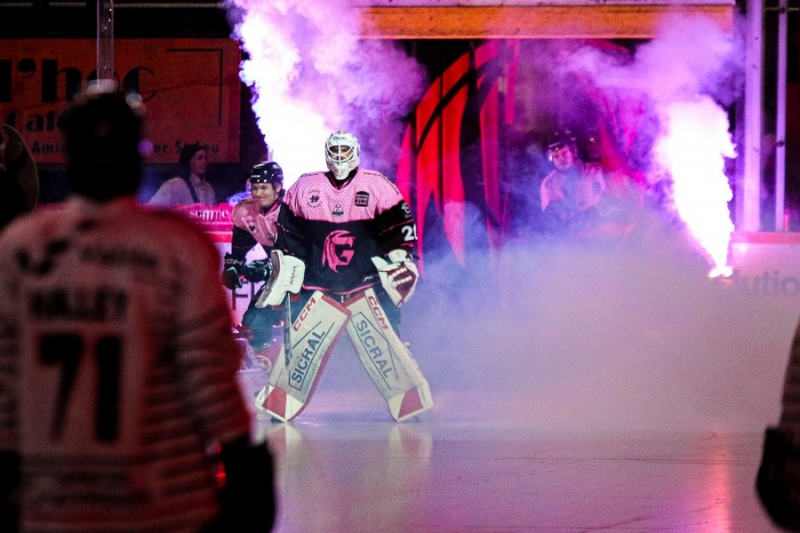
(255, 223)
(117, 363)
(353, 235)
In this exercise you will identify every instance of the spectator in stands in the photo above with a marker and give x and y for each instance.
(189, 186)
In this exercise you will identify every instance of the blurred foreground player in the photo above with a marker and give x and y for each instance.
(778, 478)
(255, 223)
(345, 235)
(117, 365)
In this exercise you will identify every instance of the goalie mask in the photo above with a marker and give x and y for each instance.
(342, 154)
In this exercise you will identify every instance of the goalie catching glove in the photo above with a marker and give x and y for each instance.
(398, 275)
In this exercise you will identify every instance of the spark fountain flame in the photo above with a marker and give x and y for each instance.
(310, 75)
(677, 73)
(693, 148)
(293, 129)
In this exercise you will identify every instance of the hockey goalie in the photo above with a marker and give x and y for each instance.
(343, 263)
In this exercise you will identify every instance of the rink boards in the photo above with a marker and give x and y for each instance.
(767, 263)
(764, 263)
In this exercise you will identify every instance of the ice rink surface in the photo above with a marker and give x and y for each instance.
(345, 467)
(574, 392)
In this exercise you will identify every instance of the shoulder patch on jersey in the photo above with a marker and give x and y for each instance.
(362, 199)
(314, 197)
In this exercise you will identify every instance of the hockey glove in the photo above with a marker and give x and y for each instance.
(9, 491)
(778, 479)
(398, 275)
(230, 272)
(248, 496)
(257, 271)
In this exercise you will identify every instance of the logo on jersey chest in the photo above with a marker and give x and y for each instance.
(362, 199)
(52, 251)
(313, 198)
(338, 250)
(337, 210)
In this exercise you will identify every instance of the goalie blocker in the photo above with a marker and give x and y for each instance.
(386, 358)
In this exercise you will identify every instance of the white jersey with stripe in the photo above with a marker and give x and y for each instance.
(117, 368)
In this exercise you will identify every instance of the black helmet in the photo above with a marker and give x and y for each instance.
(102, 135)
(560, 139)
(269, 172)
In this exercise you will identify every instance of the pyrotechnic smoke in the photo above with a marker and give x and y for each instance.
(310, 75)
(631, 334)
(680, 73)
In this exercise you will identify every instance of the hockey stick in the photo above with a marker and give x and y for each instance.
(287, 328)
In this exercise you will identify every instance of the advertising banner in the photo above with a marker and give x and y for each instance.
(191, 88)
(767, 264)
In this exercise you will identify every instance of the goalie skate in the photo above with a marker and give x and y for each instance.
(294, 378)
(386, 358)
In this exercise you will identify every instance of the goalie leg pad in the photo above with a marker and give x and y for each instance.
(386, 358)
(294, 378)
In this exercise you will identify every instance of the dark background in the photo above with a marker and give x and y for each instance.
(204, 18)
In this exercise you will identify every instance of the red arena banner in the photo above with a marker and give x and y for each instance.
(191, 88)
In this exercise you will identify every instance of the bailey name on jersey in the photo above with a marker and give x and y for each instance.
(94, 304)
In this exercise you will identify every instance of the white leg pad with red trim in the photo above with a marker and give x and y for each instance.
(294, 378)
(386, 358)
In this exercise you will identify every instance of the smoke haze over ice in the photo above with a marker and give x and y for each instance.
(552, 334)
(566, 336)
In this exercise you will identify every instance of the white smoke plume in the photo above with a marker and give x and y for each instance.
(608, 334)
(682, 74)
(310, 75)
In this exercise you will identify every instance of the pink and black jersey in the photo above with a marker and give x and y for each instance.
(252, 226)
(117, 368)
(337, 227)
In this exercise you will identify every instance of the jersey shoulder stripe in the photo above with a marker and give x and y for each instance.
(374, 174)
